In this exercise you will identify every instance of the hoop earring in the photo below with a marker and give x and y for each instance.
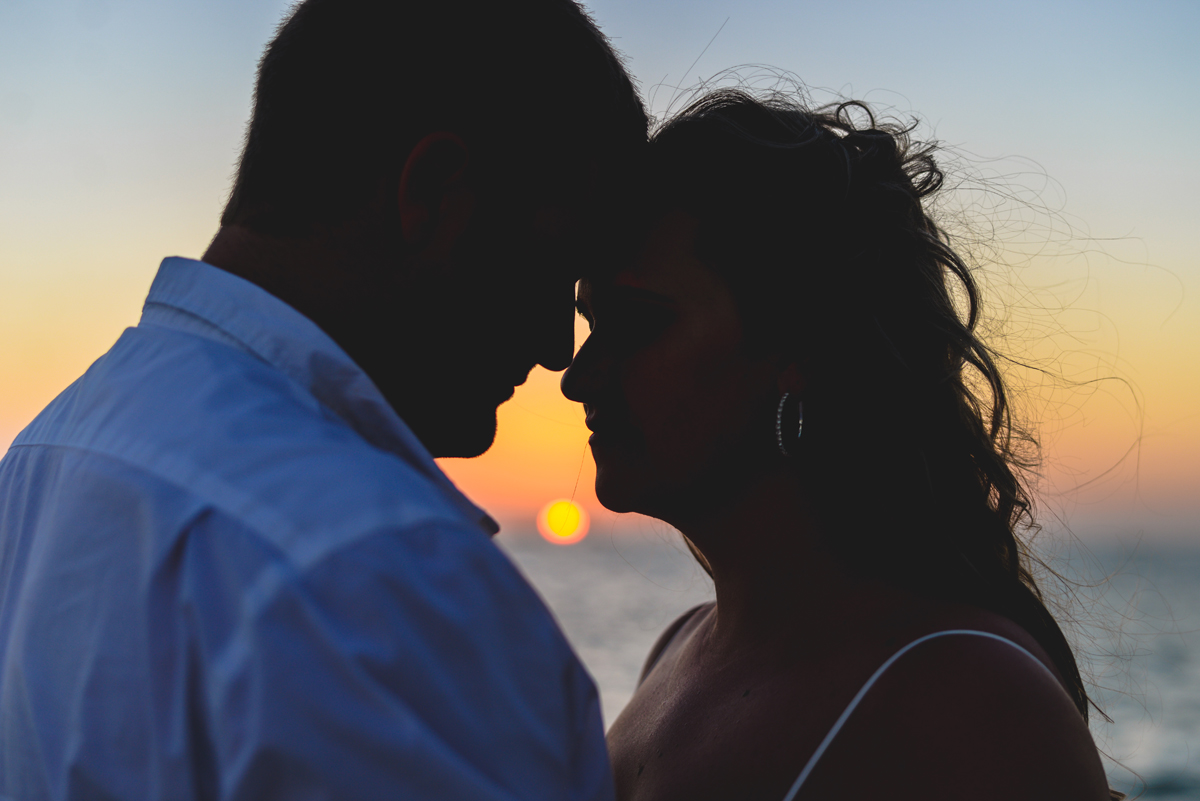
(779, 423)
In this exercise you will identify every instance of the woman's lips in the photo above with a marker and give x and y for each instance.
(610, 440)
(597, 435)
(604, 432)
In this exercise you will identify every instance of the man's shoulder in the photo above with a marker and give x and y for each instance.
(220, 424)
(225, 542)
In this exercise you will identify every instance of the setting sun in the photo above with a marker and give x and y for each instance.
(562, 522)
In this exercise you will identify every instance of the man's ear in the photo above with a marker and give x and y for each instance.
(435, 198)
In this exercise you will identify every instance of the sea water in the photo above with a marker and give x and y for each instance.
(1137, 634)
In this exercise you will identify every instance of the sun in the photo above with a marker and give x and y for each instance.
(562, 522)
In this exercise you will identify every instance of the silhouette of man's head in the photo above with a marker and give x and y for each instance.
(426, 180)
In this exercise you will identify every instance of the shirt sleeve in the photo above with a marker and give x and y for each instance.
(413, 664)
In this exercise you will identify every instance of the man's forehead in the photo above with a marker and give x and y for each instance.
(599, 189)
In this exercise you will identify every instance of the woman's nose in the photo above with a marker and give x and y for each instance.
(586, 374)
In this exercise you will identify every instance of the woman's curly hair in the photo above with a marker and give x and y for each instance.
(817, 220)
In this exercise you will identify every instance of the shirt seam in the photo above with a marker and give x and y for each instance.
(201, 319)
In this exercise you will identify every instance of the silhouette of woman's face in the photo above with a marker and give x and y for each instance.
(680, 402)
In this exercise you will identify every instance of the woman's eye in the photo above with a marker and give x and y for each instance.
(634, 327)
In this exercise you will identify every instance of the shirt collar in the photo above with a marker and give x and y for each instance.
(202, 299)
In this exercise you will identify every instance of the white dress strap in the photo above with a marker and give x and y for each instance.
(812, 761)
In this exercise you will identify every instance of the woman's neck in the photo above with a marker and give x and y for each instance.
(772, 569)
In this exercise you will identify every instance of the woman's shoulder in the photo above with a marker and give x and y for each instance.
(953, 622)
(970, 709)
(673, 634)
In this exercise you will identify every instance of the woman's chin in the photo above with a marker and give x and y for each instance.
(613, 501)
(615, 491)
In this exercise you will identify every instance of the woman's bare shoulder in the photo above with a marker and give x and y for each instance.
(678, 629)
(965, 716)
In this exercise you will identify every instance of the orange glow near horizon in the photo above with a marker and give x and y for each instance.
(562, 522)
(1132, 449)
(541, 451)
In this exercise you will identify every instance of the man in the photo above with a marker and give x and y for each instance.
(229, 567)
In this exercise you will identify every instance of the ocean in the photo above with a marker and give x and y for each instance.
(1137, 634)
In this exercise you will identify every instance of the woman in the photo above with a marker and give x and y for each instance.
(788, 374)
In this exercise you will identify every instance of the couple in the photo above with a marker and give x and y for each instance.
(230, 569)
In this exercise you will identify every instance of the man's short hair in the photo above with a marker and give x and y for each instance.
(348, 87)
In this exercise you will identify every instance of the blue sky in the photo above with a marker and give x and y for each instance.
(121, 121)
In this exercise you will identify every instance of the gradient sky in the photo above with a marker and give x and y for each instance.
(121, 120)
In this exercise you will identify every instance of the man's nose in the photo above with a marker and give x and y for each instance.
(558, 348)
(556, 342)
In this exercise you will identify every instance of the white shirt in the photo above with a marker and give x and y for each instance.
(229, 570)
